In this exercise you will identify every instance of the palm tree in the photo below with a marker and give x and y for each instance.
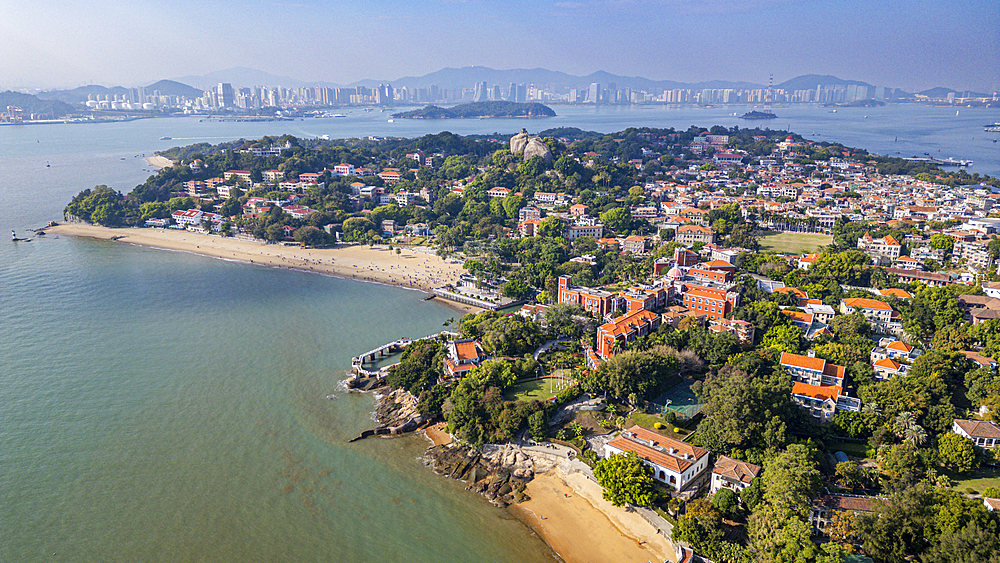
(915, 435)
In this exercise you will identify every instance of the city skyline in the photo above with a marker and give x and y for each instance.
(928, 44)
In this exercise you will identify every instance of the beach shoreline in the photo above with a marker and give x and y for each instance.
(158, 161)
(567, 510)
(413, 268)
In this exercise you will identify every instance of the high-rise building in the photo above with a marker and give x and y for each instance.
(594, 93)
(480, 94)
(225, 97)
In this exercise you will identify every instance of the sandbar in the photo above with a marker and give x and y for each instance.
(414, 267)
(568, 512)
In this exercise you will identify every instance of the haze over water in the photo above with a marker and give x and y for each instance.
(161, 406)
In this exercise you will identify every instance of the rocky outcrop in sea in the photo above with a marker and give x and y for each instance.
(499, 473)
(396, 413)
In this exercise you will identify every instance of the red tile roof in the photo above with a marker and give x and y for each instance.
(979, 428)
(822, 392)
(736, 469)
(804, 362)
(862, 303)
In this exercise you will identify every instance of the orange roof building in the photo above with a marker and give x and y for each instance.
(625, 329)
(674, 462)
(812, 370)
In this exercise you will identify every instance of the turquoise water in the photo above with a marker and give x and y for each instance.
(161, 406)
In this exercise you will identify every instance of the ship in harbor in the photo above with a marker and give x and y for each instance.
(994, 128)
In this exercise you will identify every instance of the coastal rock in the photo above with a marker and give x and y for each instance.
(498, 472)
(396, 413)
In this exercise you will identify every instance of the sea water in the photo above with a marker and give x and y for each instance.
(163, 406)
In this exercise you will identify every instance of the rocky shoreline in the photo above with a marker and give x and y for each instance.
(500, 473)
(396, 414)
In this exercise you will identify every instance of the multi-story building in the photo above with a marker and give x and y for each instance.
(463, 356)
(732, 474)
(812, 370)
(273, 175)
(574, 232)
(635, 244)
(822, 401)
(883, 318)
(242, 176)
(690, 234)
(716, 303)
(625, 329)
(674, 462)
(883, 251)
(595, 301)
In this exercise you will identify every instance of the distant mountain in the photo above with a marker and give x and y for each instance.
(942, 92)
(172, 88)
(33, 104)
(467, 76)
(245, 77)
(79, 95)
(810, 81)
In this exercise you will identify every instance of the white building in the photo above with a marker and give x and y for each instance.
(674, 462)
(733, 474)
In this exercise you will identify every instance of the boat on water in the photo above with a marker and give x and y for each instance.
(166, 138)
(992, 128)
(390, 120)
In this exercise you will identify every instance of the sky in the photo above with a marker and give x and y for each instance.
(909, 44)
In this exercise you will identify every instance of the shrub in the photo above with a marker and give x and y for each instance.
(658, 425)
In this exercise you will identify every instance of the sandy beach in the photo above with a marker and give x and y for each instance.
(159, 161)
(417, 268)
(569, 513)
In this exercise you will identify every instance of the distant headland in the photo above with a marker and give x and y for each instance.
(480, 110)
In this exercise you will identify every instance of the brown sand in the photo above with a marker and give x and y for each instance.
(569, 513)
(438, 434)
(411, 268)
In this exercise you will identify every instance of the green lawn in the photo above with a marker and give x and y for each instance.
(978, 479)
(649, 420)
(793, 243)
(855, 449)
(534, 390)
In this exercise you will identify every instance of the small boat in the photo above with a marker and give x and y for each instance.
(391, 121)
(165, 138)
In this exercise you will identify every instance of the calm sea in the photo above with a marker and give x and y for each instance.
(161, 406)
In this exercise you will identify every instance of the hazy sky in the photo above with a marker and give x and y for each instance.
(913, 44)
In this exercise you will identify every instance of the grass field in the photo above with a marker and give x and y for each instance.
(978, 479)
(648, 420)
(534, 390)
(855, 449)
(793, 243)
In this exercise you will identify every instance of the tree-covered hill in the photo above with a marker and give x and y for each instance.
(480, 109)
(32, 104)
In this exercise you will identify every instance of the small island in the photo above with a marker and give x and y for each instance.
(480, 110)
(754, 114)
